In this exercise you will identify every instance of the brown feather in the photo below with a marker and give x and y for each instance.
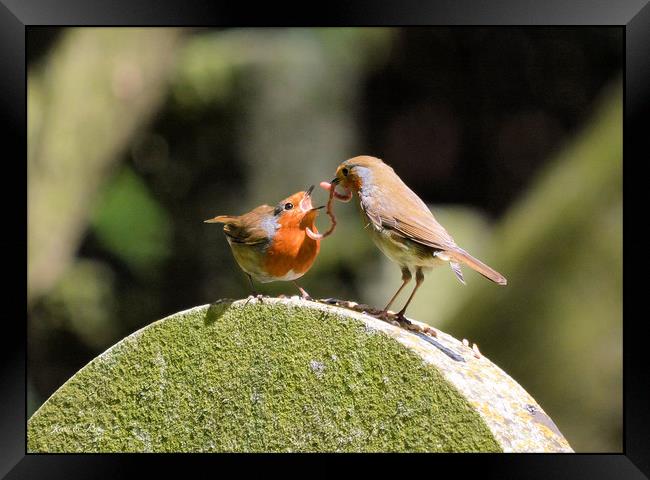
(246, 228)
(462, 256)
(409, 216)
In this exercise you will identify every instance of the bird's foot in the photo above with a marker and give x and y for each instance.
(397, 319)
(304, 295)
(255, 296)
(385, 315)
(402, 319)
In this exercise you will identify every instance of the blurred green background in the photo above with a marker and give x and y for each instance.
(513, 136)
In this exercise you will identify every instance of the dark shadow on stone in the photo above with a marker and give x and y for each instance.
(542, 418)
(447, 351)
(216, 310)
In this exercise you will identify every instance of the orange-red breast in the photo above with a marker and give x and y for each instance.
(277, 243)
(400, 223)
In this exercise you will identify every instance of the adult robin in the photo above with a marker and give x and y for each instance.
(275, 243)
(401, 225)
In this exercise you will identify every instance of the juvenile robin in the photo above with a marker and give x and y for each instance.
(275, 243)
(401, 225)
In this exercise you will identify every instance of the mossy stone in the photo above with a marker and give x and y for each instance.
(276, 376)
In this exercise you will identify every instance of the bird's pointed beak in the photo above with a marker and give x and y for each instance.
(308, 195)
(305, 203)
(331, 187)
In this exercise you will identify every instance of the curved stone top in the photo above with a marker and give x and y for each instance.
(288, 374)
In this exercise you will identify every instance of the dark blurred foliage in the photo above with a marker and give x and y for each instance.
(465, 116)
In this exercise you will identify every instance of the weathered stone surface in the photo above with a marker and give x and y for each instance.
(289, 375)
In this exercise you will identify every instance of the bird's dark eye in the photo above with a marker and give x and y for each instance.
(345, 172)
(288, 206)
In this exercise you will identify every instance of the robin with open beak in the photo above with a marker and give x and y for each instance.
(275, 243)
(401, 225)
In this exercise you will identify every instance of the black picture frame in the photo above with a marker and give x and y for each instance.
(633, 16)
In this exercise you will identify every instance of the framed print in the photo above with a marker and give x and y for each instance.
(220, 200)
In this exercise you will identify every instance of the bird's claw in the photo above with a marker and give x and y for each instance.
(385, 315)
(256, 296)
(402, 319)
(392, 317)
(304, 295)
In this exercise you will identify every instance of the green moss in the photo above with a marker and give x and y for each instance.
(257, 378)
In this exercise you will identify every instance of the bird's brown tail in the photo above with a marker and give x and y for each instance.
(219, 219)
(462, 256)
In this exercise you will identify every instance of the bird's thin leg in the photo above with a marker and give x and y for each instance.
(406, 278)
(250, 281)
(419, 278)
(254, 294)
(303, 293)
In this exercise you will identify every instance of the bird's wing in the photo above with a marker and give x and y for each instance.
(407, 215)
(247, 229)
(429, 232)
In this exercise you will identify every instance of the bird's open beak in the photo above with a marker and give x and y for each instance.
(305, 203)
(308, 195)
(306, 207)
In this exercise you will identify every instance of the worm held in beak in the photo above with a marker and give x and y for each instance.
(339, 196)
(312, 235)
(306, 206)
(331, 188)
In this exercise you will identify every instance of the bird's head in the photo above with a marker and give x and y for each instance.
(296, 211)
(357, 172)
